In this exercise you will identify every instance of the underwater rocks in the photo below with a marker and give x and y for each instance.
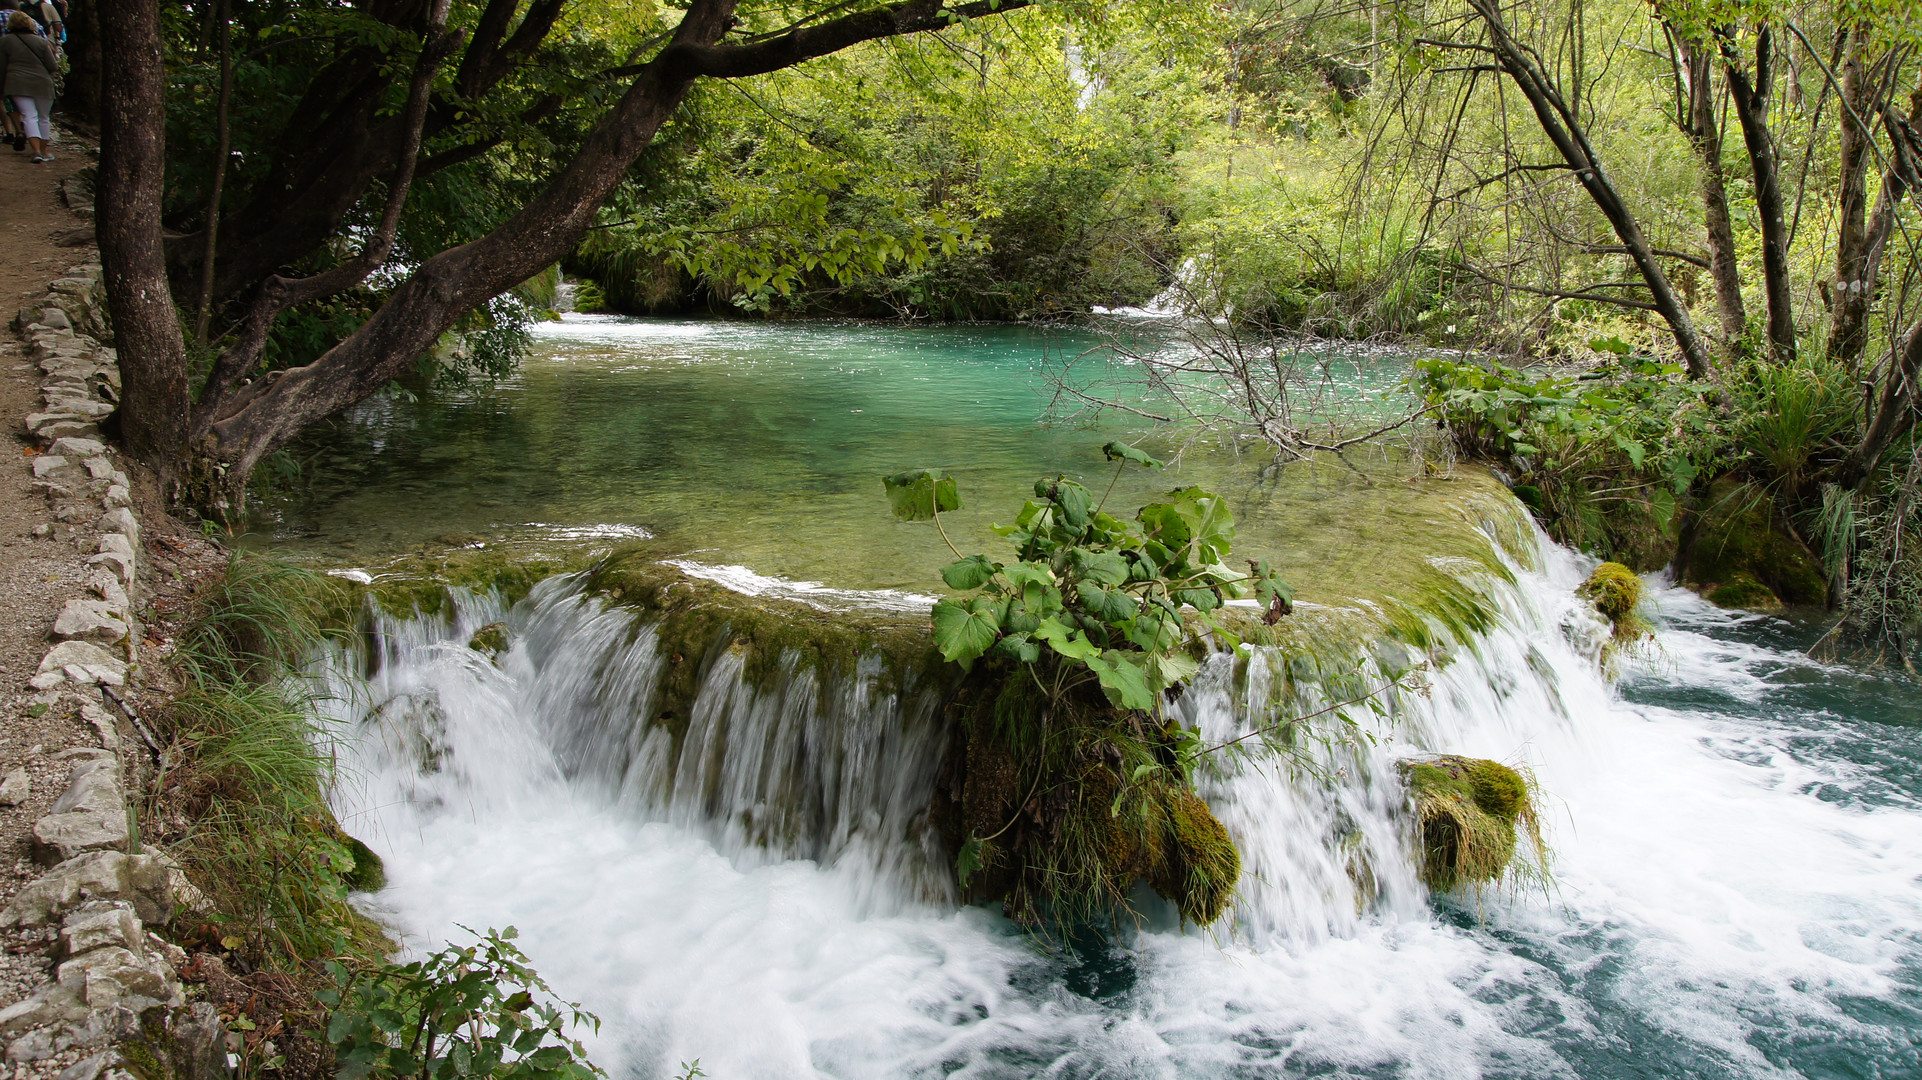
(1468, 811)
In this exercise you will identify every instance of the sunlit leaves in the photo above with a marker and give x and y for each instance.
(1092, 591)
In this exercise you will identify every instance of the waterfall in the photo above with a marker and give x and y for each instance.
(755, 884)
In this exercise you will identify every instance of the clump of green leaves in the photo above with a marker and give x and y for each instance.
(1102, 595)
(473, 1010)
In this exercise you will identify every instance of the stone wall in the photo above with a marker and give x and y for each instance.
(113, 1004)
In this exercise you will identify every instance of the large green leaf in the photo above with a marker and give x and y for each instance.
(1123, 679)
(1108, 605)
(1173, 669)
(916, 495)
(964, 632)
(1106, 567)
(969, 573)
(1069, 643)
(1117, 451)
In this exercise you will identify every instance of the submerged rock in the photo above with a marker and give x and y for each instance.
(1469, 810)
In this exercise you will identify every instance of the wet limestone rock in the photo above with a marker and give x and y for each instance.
(1468, 811)
(1740, 555)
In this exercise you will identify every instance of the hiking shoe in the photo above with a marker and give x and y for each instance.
(39, 158)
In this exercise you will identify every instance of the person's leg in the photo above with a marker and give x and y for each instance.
(30, 123)
(43, 107)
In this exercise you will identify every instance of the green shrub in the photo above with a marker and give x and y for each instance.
(467, 1011)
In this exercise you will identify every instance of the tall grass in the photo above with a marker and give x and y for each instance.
(248, 767)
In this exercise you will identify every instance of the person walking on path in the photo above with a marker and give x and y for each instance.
(27, 67)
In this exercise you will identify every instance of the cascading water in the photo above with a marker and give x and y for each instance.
(1736, 863)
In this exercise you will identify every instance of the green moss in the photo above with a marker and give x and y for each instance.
(1076, 802)
(490, 639)
(1469, 810)
(1738, 533)
(369, 873)
(1614, 589)
(1741, 590)
(1202, 863)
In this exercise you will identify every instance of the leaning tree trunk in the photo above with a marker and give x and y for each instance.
(153, 362)
(1751, 97)
(1563, 127)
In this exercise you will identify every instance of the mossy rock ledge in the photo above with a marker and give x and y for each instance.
(1740, 555)
(1468, 811)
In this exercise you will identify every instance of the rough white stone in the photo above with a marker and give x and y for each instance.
(17, 786)
(120, 520)
(47, 464)
(59, 837)
(97, 875)
(47, 680)
(80, 448)
(90, 620)
(55, 318)
(100, 467)
(93, 785)
(108, 588)
(103, 977)
(87, 656)
(115, 542)
(118, 563)
(101, 924)
(117, 495)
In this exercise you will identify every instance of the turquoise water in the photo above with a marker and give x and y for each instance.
(762, 445)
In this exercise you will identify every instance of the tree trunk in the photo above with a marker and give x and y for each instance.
(1706, 135)
(1751, 96)
(153, 361)
(1563, 127)
(1858, 256)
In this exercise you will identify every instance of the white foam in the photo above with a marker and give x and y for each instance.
(1712, 916)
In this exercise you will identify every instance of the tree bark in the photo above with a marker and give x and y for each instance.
(1751, 95)
(147, 334)
(1859, 250)
(1705, 134)
(1563, 127)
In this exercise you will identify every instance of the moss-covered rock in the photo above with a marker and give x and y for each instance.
(369, 873)
(1067, 805)
(1738, 540)
(1616, 591)
(489, 640)
(1741, 590)
(1468, 810)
